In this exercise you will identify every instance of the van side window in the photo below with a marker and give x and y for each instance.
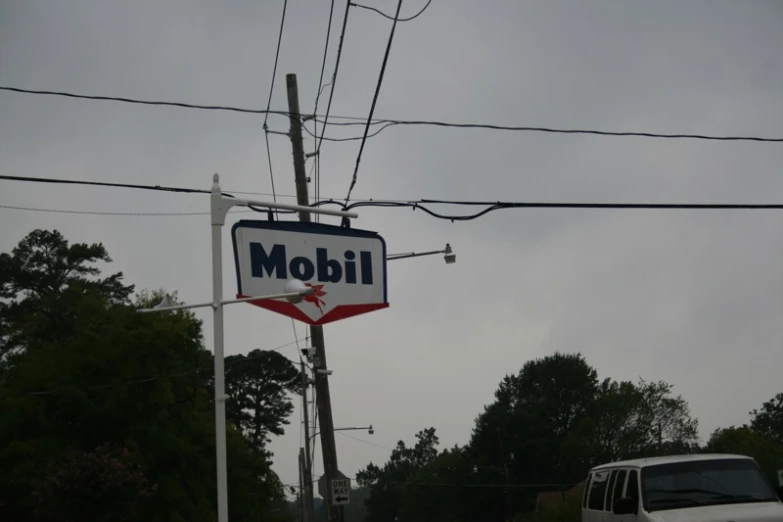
(632, 489)
(586, 491)
(608, 499)
(618, 488)
(598, 487)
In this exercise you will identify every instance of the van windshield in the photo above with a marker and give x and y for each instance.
(704, 482)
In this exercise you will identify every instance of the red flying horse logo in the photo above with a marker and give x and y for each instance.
(315, 297)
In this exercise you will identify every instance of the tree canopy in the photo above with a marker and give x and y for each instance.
(108, 414)
(258, 385)
(548, 425)
(768, 420)
(90, 388)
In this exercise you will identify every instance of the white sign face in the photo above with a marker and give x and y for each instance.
(341, 491)
(345, 266)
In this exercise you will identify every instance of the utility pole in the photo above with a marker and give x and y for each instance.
(322, 398)
(505, 476)
(307, 492)
(302, 508)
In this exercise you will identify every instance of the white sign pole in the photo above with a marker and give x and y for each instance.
(218, 214)
(219, 207)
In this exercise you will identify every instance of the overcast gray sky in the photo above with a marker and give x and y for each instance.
(693, 298)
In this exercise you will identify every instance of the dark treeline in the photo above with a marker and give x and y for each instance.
(548, 425)
(108, 415)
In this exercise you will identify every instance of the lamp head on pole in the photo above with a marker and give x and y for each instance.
(448, 255)
(295, 286)
(166, 302)
(370, 430)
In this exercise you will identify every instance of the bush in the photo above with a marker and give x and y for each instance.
(568, 511)
(101, 485)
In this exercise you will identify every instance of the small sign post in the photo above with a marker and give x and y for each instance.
(341, 491)
(780, 478)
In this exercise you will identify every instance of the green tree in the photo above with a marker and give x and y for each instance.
(355, 511)
(38, 276)
(554, 420)
(769, 419)
(385, 482)
(258, 387)
(440, 491)
(98, 486)
(522, 432)
(629, 420)
(744, 440)
(83, 369)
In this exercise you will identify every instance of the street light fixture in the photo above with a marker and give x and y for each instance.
(369, 429)
(166, 303)
(448, 255)
(294, 291)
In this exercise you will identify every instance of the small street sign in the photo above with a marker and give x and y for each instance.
(341, 491)
(345, 266)
(323, 487)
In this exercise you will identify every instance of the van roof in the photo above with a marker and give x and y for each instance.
(652, 461)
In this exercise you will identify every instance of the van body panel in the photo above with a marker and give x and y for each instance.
(766, 512)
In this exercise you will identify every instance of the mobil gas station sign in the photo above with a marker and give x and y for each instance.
(346, 268)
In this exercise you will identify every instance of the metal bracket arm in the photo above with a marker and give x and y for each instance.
(221, 205)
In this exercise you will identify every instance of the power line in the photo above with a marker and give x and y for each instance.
(334, 74)
(431, 123)
(157, 188)
(363, 441)
(269, 101)
(316, 159)
(350, 120)
(551, 130)
(269, 160)
(556, 487)
(374, 102)
(392, 18)
(145, 102)
(109, 213)
(333, 84)
(426, 204)
(277, 56)
(491, 207)
(471, 485)
(64, 181)
(321, 85)
(353, 138)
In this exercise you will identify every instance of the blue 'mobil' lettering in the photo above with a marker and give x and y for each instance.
(275, 264)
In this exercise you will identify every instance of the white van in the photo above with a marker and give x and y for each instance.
(684, 488)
